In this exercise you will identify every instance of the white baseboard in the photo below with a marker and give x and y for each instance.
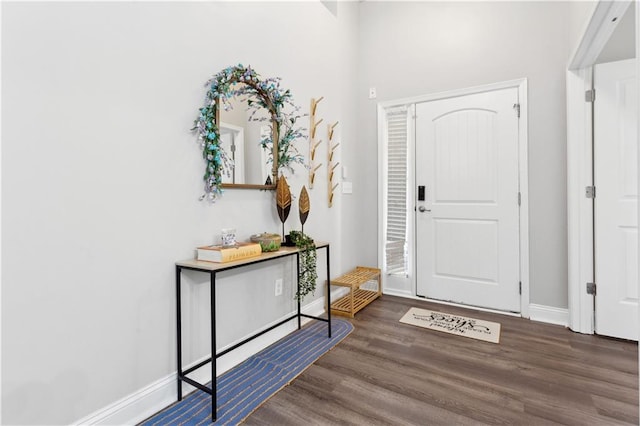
(151, 399)
(399, 293)
(541, 313)
(549, 314)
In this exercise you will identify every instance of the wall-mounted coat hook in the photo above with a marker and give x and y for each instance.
(313, 144)
(312, 173)
(331, 129)
(313, 150)
(314, 104)
(314, 127)
(331, 166)
(332, 171)
(331, 191)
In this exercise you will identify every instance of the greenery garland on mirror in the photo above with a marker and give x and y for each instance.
(308, 260)
(265, 93)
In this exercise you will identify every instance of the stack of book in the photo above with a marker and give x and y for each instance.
(223, 254)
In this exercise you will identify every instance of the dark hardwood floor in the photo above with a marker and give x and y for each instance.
(390, 373)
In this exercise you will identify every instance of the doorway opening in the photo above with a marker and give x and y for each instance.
(462, 222)
(599, 34)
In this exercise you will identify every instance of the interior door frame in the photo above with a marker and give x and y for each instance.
(580, 158)
(523, 176)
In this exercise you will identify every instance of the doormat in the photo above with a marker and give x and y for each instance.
(453, 324)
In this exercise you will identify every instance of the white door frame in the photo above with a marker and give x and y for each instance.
(580, 157)
(521, 85)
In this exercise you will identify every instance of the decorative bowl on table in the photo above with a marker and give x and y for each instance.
(268, 242)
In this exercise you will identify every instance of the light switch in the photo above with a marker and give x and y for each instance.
(347, 187)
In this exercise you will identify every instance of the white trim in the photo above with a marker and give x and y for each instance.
(153, 398)
(598, 31)
(549, 314)
(413, 195)
(638, 90)
(457, 305)
(454, 93)
(540, 313)
(523, 150)
(407, 294)
(579, 161)
(523, 160)
(579, 208)
(382, 172)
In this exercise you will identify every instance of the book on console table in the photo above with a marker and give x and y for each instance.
(222, 254)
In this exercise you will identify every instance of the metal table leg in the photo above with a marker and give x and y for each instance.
(328, 292)
(298, 287)
(214, 381)
(179, 331)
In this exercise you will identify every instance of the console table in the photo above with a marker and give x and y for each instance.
(212, 269)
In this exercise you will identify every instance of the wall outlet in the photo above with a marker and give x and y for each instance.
(279, 287)
(372, 93)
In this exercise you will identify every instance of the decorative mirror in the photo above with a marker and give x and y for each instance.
(245, 134)
(242, 128)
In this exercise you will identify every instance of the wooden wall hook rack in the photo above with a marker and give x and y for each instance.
(313, 144)
(331, 166)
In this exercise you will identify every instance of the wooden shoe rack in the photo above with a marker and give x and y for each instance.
(358, 297)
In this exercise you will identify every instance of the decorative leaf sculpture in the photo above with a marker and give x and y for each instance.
(304, 205)
(283, 200)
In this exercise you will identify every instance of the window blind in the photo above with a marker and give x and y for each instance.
(396, 246)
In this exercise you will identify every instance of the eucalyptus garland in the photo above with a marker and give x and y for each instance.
(261, 93)
(308, 260)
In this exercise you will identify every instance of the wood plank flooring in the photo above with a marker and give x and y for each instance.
(389, 373)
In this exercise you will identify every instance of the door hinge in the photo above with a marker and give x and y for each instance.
(517, 108)
(519, 199)
(590, 95)
(520, 287)
(591, 288)
(590, 191)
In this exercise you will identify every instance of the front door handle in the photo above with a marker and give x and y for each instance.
(423, 209)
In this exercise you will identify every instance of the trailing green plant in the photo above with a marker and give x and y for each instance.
(308, 260)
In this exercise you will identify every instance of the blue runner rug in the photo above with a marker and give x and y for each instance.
(247, 386)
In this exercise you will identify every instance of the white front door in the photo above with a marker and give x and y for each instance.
(616, 201)
(467, 226)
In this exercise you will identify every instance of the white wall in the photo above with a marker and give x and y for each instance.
(101, 179)
(101, 176)
(410, 49)
(580, 13)
(358, 219)
(621, 45)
